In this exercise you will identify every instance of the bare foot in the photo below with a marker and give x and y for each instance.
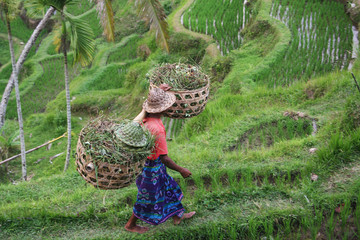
(136, 228)
(177, 220)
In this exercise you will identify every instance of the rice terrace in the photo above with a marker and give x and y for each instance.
(260, 100)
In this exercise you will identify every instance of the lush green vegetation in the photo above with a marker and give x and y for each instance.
(223, 20)
(44, 89)
(127, 52)
(248, 151)
(19, 29)
(321, 42)
(80, 7)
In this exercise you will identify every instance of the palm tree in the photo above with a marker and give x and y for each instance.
(10, 11)
(80, 35)
(20, 63)
(150, 10)
(81, 41)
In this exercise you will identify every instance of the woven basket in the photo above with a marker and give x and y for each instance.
(189, 103)
(108, 176)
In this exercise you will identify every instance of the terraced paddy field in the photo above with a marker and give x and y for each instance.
(223, 20)
(266, 163)
(322, 40)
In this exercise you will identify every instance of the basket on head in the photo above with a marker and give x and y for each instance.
(106, 175)
(189, 103)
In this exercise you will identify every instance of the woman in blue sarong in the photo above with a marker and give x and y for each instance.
(159, 196)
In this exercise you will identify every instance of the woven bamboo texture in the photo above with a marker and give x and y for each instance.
(189, 103)
(106, 175)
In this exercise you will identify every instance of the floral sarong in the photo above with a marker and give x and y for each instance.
(159, 196)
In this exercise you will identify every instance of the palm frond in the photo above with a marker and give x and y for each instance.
(3, 142)
(39, 5)
(35, 8)
(10, 7)
(82, 39)
(106, 16)
(57, 38)
(153, 13)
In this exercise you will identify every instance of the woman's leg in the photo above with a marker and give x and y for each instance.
(132, 227)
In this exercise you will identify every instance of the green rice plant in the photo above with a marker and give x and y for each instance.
(233, 232)
(322, 40)
(232, 179)
(269, 228)
(357, 216)
(288, 226)
(215, 234)
(254, 225)
(223, 20)
(200, 188)
(340, 149)
(344, 214)
(216, 181)
(289, 176)
(315, 222)
(183, 185)
(266, 177)
(346, 234)
(279, 181)
(330, 226)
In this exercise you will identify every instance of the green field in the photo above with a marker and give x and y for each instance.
(280, 92)
(221, 20)
(322, 40)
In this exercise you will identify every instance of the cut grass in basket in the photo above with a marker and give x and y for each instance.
(100, 142)
(179, 76)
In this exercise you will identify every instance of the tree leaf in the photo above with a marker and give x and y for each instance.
(154, 14)
(82, 39)
(106, 16)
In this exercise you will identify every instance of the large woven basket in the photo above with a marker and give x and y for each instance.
(189, 103)
(105, 175)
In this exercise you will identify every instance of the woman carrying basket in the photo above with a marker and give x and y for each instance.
(159, 196)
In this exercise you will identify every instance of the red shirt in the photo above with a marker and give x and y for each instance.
(157, 128)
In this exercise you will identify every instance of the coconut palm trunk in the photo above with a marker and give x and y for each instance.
(20, 63)
(67, 90)
(15, 73)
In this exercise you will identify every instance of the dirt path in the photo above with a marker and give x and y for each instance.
(212, 49)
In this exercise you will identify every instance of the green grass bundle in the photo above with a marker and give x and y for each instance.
(116, 142)
(179, 76)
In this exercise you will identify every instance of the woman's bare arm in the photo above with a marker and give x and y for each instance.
(168, 162)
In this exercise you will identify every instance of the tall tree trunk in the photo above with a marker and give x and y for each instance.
(67, 90)
(18, 103)
(20, 62)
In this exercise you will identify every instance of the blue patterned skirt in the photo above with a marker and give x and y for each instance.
(159, 196)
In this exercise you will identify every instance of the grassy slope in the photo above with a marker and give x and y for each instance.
(235, 193)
